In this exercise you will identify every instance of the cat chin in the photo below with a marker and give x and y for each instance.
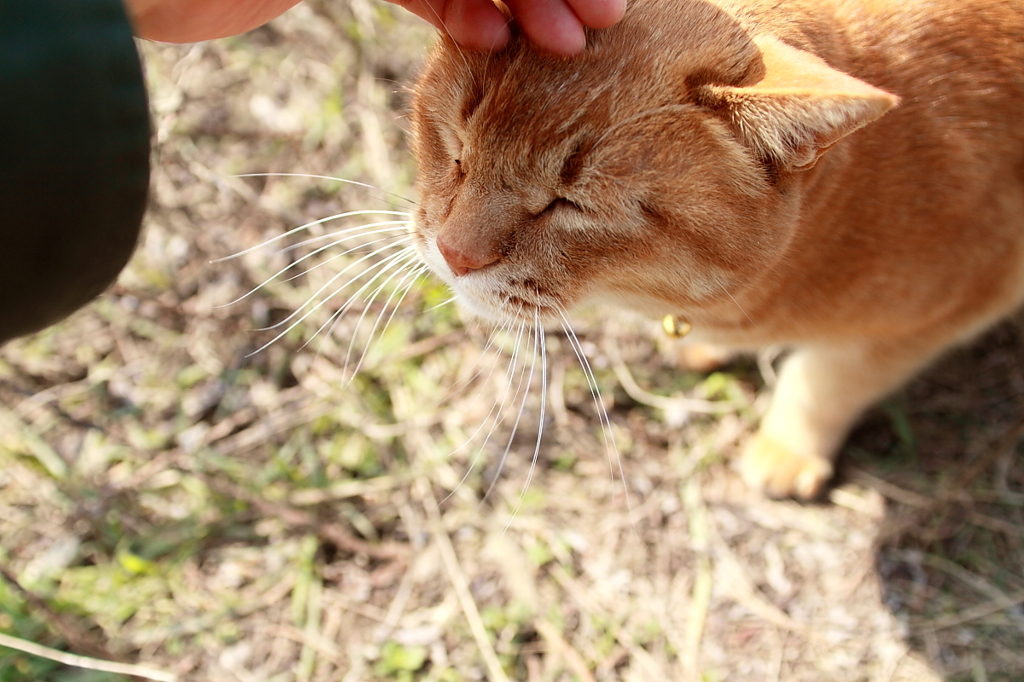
(490, 315)
(479, 312)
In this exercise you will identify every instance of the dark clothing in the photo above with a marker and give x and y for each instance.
(74, 156)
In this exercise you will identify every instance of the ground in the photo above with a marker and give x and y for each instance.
(176, 493)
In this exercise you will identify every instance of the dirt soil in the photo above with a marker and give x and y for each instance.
(186, 488)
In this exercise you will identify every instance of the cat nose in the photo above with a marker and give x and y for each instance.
(463, 260)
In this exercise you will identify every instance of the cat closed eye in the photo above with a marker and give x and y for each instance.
(557, 204)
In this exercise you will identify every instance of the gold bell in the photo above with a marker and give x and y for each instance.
(674, 327)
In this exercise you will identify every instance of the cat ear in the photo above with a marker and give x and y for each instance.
(800, 109)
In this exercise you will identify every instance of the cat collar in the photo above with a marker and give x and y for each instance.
(675, 327)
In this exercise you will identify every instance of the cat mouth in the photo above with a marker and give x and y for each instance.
(516, 307)
(492, 295)
(502, 308)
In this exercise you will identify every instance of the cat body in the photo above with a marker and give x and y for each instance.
(844, 178)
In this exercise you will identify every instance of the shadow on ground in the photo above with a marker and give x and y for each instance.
(946, 454)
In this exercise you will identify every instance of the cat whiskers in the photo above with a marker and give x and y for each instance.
(349, 214)
(612, 450)
(538, 351)
(377, 276)
(344, 181)
(399, 228)
(382, 266)
(725, 290)
(494, 415)
(443, 303)
(519, 395)
(505, 326)
(538, 333)
(394, 263)
(522, 405)
(401, 290)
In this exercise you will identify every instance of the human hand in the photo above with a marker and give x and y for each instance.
(189, 21)
(553, 25)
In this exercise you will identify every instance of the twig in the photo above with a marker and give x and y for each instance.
(34, 444)
(959, 481)
(651, 669)
(327, 531)
(887, 489)
(669, 404)
(962, 479)
(424, 346)
(341, 490)
(998, 525)
(459, 583)
(700, 600)
(573, 659)
(584, 602)
(976, 582)
(973, 613)
(323, 646)
(741, 588)
(397, 607)
(85, 662)
(766, 358)
(264, 430)
(74, 638)
(311, 632)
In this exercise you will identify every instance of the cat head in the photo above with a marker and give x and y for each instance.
(654, 170)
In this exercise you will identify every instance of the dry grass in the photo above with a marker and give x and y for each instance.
(170, 498)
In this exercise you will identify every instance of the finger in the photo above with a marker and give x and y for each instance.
(550, 24)
(598, 13)
(473, 24)
(477, 24)
(188, 21)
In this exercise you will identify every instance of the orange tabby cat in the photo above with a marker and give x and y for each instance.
(843, 177)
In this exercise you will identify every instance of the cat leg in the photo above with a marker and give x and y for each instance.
(820, 393)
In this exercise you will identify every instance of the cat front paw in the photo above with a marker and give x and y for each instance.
(779, 471)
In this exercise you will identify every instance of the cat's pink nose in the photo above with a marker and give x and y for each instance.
(464, 260)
